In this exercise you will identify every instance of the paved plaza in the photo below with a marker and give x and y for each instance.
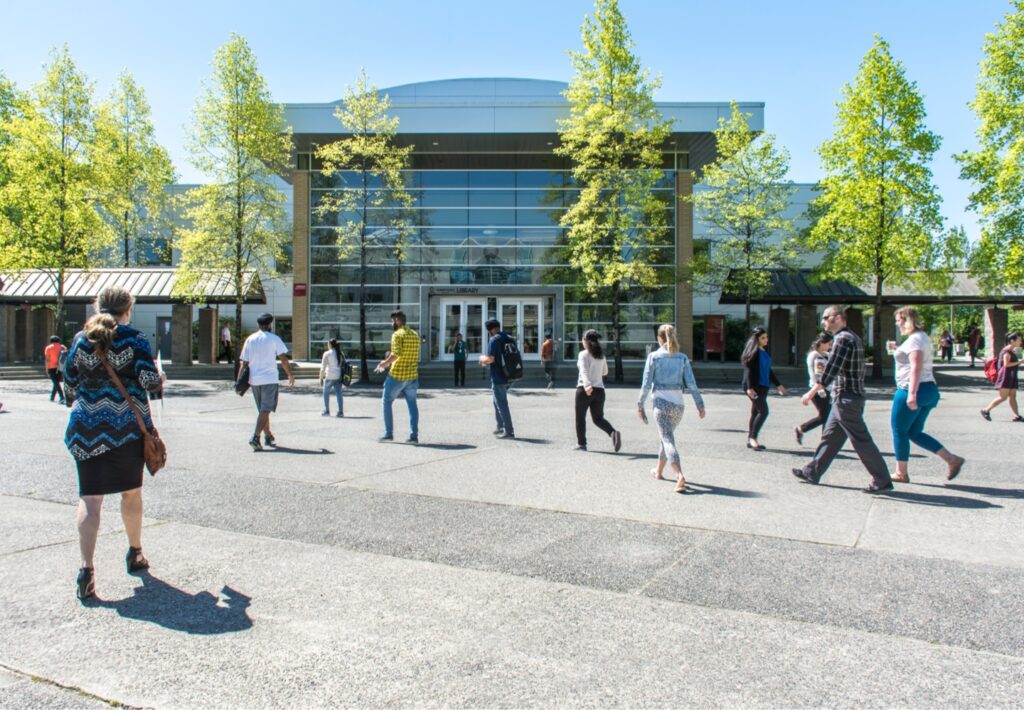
(467, 571)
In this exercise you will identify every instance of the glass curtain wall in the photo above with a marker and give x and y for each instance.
(493, 230)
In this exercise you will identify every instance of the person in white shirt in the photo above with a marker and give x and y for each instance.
(916, 396)
(261, 352)
(225, 343)
(817, 356)
(331, 365)
(590, 393)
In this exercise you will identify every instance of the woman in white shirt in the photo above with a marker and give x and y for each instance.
(916, 396)
(590, 391)
(330, 377)
(817, 356)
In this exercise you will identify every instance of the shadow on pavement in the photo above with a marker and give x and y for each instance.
(1012, 493)
(288, 450)
(704, 489)
(446, 447)
(941, 501)
(157, 602)
(526, 440)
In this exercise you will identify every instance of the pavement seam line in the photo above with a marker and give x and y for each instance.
(69, 688)
(413, 465)
(154, 524)
(864, 524)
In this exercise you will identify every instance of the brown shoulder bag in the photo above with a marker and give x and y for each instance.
(153, 448)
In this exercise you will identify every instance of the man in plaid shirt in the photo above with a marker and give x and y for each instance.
(845, 371)
(403, 379)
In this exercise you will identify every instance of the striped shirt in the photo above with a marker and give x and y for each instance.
(845, 368)
(405, 344)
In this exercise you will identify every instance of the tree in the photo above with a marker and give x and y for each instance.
(878, 212)
(997, 166)
(9, 108)
(48, 206)
(614, 137)
(135, 170)
(373, 181)
(743, 197)
(241, 140)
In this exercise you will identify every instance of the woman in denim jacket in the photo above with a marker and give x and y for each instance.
(666, 373)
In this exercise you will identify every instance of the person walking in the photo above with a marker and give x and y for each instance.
(917, 394)
(974, 344)
(458, 350)
(331, 368)
(590, 394)
(547, 358)
(225, 344)
(946, 345)
(103, 434)
(758, 378)
(666, 372)
(499, 381)
(1006, 378)
(817, 356)
(261, 351)
(844, 371)
(403, 362)
(52, 355)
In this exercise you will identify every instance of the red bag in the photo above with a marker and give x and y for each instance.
(991, 371)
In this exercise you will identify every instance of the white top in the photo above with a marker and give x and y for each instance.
(917, 340)
(330, 368)
(260, 351)
(592, 370)
(225, 334)
(815, 366)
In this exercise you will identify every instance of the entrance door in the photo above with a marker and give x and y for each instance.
(163, 337)
(466, 317)
(523, 319)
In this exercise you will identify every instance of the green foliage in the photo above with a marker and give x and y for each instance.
(371, 154)
(614, 137)
(743, 199)
(135, 171)
(240, 139)
(48, 203)
(997, 167)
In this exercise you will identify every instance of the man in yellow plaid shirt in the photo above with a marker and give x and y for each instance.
(403, 379)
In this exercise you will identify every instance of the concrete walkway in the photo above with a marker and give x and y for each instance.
(467, 571)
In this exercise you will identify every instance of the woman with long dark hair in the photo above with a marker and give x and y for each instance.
(103, 433)
(331, 369)
(590, 394)
(758, 378)
(817, 356)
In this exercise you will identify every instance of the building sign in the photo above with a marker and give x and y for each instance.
(299, 290)
(714, 334)
(455, 290)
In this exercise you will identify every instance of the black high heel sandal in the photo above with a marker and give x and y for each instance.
(134, 560)
(86, 584)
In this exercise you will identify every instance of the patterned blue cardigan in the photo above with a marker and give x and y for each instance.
(101, 420)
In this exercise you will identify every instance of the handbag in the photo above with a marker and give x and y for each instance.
(242, 383)
(153, 448)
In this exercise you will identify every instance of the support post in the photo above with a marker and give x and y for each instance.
(996, 321)
(181, 334)
(778, 335)
(208, 336)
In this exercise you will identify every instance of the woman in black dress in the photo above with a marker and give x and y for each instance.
(103, 434)
(1006, 379)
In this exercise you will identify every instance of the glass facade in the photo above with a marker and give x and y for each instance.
(481, 243)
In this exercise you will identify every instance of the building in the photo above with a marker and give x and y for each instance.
(488, 193)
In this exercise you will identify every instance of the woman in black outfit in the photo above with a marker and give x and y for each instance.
(758, 377)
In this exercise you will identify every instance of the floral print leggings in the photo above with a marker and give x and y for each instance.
(667, 415)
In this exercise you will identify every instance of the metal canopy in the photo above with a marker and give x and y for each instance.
(799, 287)
(148, 285)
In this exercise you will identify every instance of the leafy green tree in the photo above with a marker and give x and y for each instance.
(135, 170)
(10, 102)
(371, 209)
(614, 137)
(743, 196)
(240, 139)
(997, 166)
(48, 206)
(878, 212)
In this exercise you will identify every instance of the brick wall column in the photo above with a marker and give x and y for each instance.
(996, 322)
(778, 335)
(209, 335)
(300, 263)
(181, 334)
(684, 253)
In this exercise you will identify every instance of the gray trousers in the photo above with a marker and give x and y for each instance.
(846, 420)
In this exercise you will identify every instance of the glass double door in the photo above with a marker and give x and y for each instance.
(466, 317)
(523, 319)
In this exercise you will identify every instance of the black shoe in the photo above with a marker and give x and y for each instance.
(86, 584)
(255, 444)
(799, 435)
(134, 561)
(269, 441)
(804, 476)
(413, 440)
(616, 440)
(580, 447)
(986, 415)
(386, 437)
(507, 435)
(878, 489)
(498, 432)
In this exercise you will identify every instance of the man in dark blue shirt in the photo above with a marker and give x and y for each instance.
(499, 382)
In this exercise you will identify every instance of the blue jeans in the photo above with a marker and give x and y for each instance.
(407, 389)
(908, 424)
(499, 392)
(336, 386)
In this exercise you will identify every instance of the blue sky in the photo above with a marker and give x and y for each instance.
(792, 54)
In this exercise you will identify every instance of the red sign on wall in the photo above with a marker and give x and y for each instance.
(714, 334)
(299, 290)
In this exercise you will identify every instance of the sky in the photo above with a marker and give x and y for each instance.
(794, 55)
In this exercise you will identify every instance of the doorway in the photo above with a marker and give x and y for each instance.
(466, 317)
(163, 337)
(523, 319)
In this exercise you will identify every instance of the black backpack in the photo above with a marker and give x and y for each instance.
(511, 360)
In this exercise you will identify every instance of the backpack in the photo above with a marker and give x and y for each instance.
(991, 369)
(511, 360)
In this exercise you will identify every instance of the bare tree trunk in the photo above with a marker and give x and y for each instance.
(617, 330)
(876, 332)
